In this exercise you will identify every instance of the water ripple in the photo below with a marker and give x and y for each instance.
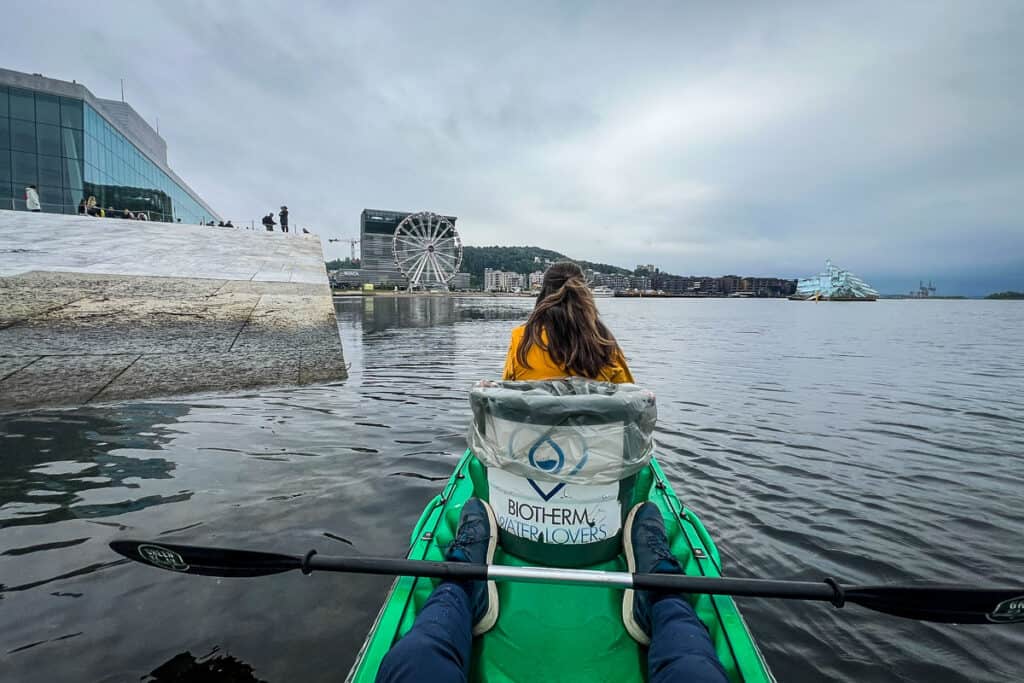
(874, 443)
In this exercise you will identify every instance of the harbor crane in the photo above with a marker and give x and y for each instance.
(923, 292)
(351, 243)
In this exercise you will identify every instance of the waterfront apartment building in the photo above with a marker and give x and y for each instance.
(460, 282)
(722, 286)
(618, 281)
(71, 145)
(502, 281)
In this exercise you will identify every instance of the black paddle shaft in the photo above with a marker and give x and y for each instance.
(939, 603)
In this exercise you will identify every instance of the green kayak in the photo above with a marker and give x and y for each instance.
(566, 633)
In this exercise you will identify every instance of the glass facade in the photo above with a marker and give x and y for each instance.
(69, 151)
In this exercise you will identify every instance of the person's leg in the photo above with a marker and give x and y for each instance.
(438, 646)
(681, 649)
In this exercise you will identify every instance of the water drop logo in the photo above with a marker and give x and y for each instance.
(549, 464)
(547, 456)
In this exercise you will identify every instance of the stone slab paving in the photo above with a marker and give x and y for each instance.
(69, 380)
(83, 244)
(106, 309)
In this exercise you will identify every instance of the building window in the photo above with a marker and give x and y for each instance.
(71, 143)
(71, 113)
(49, 171)
(47, 109)
(24, 169)
(22, 105)
(48, 139)
(23, 136)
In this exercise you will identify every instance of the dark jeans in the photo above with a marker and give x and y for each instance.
(438, 646)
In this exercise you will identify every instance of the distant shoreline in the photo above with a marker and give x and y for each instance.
(901, 297)
(401, 294)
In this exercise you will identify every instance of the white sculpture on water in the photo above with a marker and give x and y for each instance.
(835, 284)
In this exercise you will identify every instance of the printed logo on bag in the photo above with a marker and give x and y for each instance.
(548, 457)
(560, 505)
(564, 514)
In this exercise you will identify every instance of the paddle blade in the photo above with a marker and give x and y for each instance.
(189, 559)
(946, 604)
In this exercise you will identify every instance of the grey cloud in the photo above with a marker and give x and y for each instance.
(709, 139)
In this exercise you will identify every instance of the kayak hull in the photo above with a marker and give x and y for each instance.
(558, 632)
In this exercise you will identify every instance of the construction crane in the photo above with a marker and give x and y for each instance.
(923, 292)
(351, 243)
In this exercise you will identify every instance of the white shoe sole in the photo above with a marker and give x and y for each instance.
(490, 618)
(632, 627)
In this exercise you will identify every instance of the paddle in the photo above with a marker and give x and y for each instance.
(952, 604)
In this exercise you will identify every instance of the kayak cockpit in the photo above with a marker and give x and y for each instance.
(548, 632)
(561, 463)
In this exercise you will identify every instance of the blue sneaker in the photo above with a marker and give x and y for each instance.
(645, 545)
(475, 541)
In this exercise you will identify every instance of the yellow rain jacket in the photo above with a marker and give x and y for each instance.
(543, 367)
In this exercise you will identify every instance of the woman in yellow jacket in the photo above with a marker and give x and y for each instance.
(564, 336)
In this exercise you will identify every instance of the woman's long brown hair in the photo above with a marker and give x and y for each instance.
(577, 340)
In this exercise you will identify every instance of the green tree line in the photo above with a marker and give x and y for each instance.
(519, 260)
(343, 264)
(515, 259)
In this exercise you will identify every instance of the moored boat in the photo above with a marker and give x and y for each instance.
(557, 632)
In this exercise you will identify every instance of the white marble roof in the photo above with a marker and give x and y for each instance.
(113, 246)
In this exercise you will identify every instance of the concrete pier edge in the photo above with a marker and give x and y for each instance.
(96, 310)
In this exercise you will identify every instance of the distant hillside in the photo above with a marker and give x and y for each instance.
(519, 260)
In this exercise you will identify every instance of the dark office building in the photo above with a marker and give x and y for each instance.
(72, 145)
(376, 246)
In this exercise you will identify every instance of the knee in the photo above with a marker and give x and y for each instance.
(690, 667)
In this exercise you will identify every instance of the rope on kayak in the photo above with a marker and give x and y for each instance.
(838, 594)
(305, 562)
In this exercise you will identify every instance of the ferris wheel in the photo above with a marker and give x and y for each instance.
(427, 249)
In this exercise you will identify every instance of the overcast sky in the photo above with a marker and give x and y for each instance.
(706, 138)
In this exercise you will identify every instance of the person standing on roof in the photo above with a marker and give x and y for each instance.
(32, 198)
(284, 218)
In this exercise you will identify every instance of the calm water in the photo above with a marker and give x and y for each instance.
(874, 442)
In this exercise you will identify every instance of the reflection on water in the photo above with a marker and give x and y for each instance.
(874, 443)
(52, 461)
(210, 668)
(374, 314)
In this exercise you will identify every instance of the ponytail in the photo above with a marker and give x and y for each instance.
(577, 340)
